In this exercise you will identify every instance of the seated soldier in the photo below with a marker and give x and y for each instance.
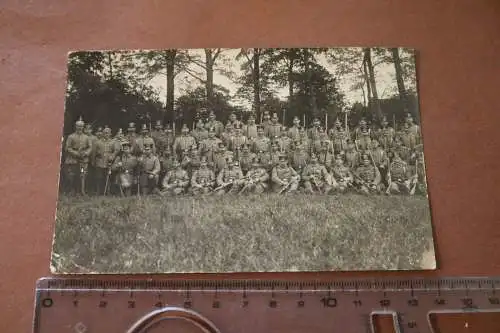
(125, 166)
(230, 179)
(398, 175)
(342, 175)
(284, 178)
(368, 177)
(149, 168)
(203, 179)
(316, 177)
(175, 181)
(245, 158)
(256, 179)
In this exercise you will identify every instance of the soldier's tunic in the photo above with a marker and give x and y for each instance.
(317, 178)
(216, 125)
(149, 173)
(352, 159)
(236, 142)
(409, 138)
(161, 142)
(294, 133)
(265, 160)
(220, 160)
(369, 179)
(287, 175)
(125, 167)
(326, 158)
(105, 153)
(381, 160)
(275, 155)
(93, 141)
(363, 138)
(386, 137)
(250, 131)
(265, 125)
(245, 159)
(299, 159)
(313, 133)
(306, 144)
(199, 134)
(141, 141)
(284, 143)
(257, 178)
(191, 162)
(209, 147)
(273, 130)
(78, 148)
(132, 138)
(398, 171)
(227, 138)
(342, 176)
(233, 175)
(261, 144)
(175, 182)
(420, 179)
(202, 181)
(403, 151)
(166, 164)
(183, 142)
(339, 138)
(235, 123)
(319, 142)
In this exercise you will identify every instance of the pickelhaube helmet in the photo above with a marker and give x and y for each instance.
(79, 122)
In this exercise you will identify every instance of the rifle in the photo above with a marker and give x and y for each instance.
(412, 191)
(285, 187)
(250, 182)
(224, 186)
(315, 183)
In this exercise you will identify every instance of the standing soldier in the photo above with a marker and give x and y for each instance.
(169, 138)
(386, 134)
(368, 176)
(380, 158)
(149, 170)
(132, 137)
(166, 163)
(408, 136)
(90, 181)
(275, 153)
(245, 157)
(237, 141)
(265, 160)
(78, 148)
(325, 157)
(221, 157)
(299, 157)
(339, 136)
(262, 142)
(209, 146)
(233, 121)
(363, 135)
(266, 121)
(398, 176)
(199, 133)
(313, 132)
(294, 131)
(183, 142)
(176, 181)
(400, 148)
(414, 128)
(321, 137)
(194, 159)
(230, 179)
(352, 156)
(105, 152)
(215, 124)
(256, 179)
(98, 132)
(304, 140)
(227, 135)
(143, 140)
(342, 175)
(125, 168)
(158, 131)
(284, 140)
(274, 128)
(250, 129)
(419, 180)
(203, 179)
(284, 178)
(316, 177)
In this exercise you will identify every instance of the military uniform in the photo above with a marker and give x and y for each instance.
(125, 168)
(237, 142)
(363, 138)
(176, 181)
(261, 143)
(265, 160)
(215, 125)
(105, 152)
(208, 148)
(299, 158)
(339, 138)
(78, 148)
(202, 180)
(284, 178)
(257, 178)
(398, 174)
(230, 180)
(342, 175)
(245, 157)
(199, 133)
(183, 142)
(386, 137)
(294, 132)
(250, 131)
(149, 172)
(316, 178)
(368, 177)
(352, 158)
(220, 159)
(325, 157)
(284, 142)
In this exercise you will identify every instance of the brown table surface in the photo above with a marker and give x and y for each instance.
(459, 70)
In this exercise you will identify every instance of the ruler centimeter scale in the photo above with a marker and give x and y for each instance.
(240, 306)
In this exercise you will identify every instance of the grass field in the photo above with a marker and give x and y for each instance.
(248, 233)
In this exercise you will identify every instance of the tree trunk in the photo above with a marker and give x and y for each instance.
(110, 64)
(256, 82)
(399, 74)
(371, 72)
(290, 85)
(170, 61)
(367, 81)
(209, 84)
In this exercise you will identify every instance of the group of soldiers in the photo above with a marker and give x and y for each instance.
(244, 157)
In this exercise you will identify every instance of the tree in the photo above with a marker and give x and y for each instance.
(372, 82)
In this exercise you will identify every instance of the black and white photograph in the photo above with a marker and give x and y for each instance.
(242, 160)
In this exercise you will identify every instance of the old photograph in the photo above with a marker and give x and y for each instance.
(242, 160)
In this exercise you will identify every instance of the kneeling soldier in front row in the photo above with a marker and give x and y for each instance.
(342, 174)
(256, 179)
(316, 177)
(368, 177)
(230, 179)
(176, 180)
(203, 179)
(285, 179)
(149, 168)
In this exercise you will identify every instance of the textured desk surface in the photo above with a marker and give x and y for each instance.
(459, 69)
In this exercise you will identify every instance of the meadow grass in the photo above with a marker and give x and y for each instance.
(240, 233)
